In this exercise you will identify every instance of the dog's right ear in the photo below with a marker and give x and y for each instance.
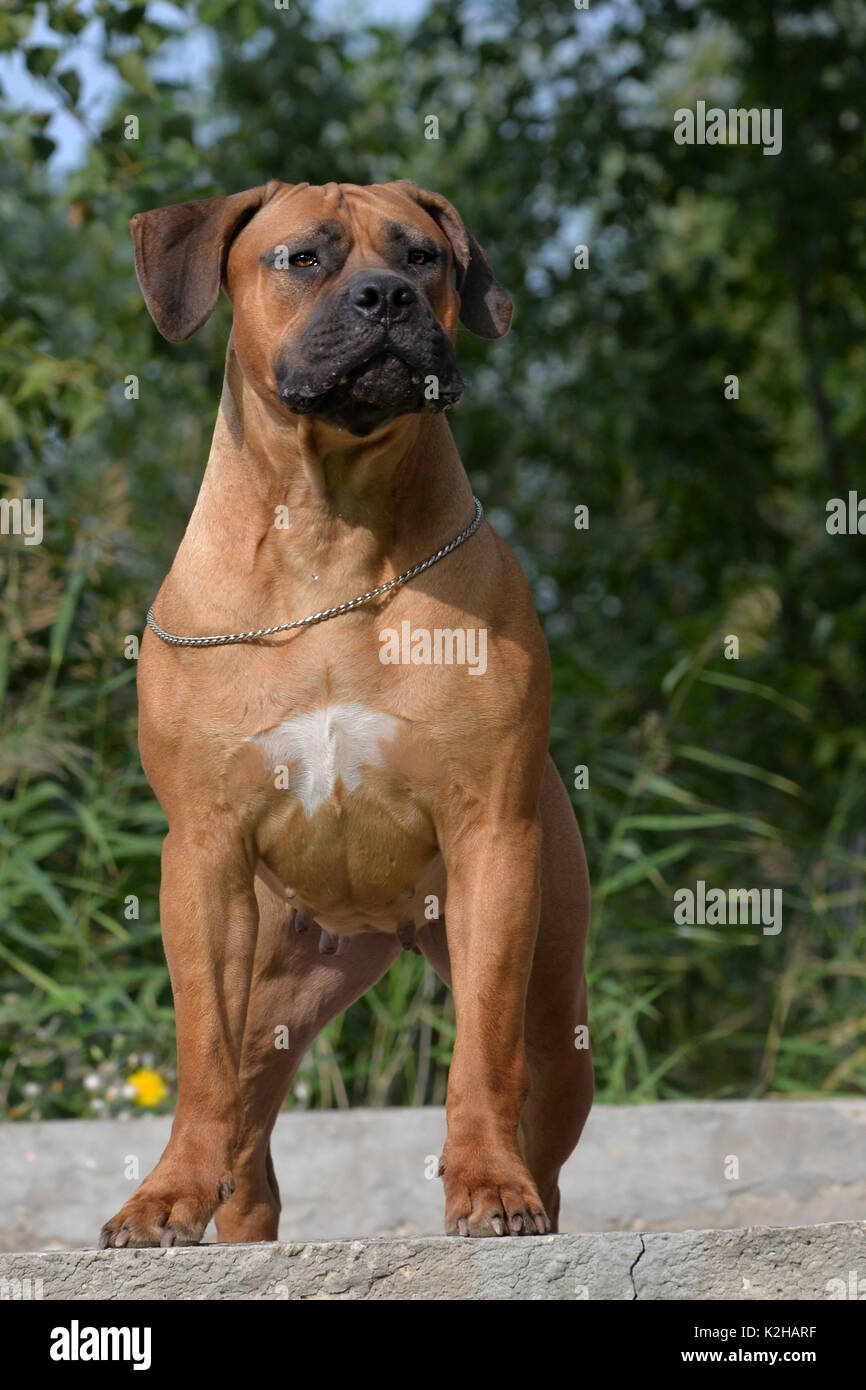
(181, 253)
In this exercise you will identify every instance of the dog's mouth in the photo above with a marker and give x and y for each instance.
(384, 379)
(371, 391)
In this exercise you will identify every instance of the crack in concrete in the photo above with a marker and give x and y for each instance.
(634, 1266)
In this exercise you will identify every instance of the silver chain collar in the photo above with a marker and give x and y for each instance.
(229, 638)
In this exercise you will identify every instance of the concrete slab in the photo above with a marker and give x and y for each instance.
(758, 1264)
(361, 1173)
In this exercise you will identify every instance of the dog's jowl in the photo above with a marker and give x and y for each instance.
(317, 796)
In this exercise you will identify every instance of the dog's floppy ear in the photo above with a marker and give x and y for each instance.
(485, 307)
(181, 252)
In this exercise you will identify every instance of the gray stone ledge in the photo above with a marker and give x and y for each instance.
(360, 1173)
(750, 1264)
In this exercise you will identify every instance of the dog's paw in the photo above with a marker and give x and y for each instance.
(496, 1200)
(157, 1216)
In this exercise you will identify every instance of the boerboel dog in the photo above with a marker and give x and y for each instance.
(344, 777)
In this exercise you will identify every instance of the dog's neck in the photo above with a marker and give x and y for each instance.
(289, 501)
(306, 464)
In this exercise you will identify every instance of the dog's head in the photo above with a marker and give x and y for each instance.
(344, 302)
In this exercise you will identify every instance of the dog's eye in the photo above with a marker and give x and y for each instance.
(420, 257)
(304, 259)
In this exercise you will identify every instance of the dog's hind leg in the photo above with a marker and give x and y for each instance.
(295, 992)
(557, 1041)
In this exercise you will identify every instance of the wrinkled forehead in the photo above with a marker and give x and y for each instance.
(344, 213)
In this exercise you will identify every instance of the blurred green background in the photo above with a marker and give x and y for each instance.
(707, 515)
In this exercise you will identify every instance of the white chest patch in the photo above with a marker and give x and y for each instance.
(326, 746)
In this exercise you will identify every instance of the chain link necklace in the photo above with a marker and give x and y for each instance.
(228, 639)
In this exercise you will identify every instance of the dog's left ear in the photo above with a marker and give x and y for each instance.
(485, 307)
(181, 253)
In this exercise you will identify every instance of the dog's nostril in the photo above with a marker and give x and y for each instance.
(368, 297)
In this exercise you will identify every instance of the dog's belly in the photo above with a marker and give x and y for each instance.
(343, 828)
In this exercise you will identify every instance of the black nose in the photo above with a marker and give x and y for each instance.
(384, 298)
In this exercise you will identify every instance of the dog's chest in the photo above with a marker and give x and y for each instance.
(315, 755)
(345, 822)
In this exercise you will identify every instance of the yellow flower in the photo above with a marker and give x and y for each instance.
(149, 1086)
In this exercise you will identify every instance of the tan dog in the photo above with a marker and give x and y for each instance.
(319, 796)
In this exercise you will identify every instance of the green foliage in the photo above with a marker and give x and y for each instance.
(706, 514)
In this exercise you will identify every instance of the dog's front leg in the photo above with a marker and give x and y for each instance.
(209, 922)
(491, 925)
